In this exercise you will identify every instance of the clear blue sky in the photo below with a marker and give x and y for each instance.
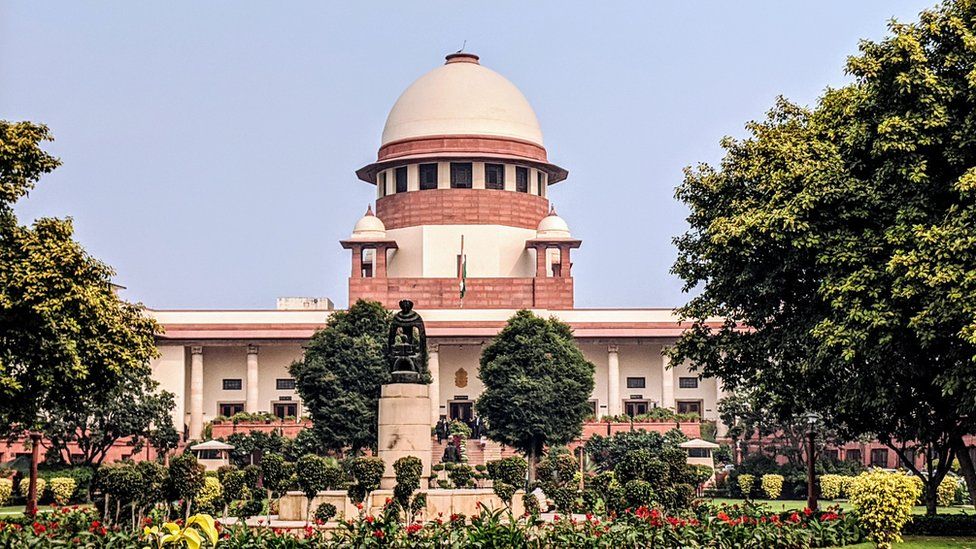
(209, 147)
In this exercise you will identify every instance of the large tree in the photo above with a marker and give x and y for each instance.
(837, 241)
(537, 385)
(65, 335)
(340, 376)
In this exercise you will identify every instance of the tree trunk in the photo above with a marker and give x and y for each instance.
(269, 508)
(189, 505)
(531, 455)
(966, 466)
(31, 509)
(931, 495)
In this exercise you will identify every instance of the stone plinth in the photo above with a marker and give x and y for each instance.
(404, 427)
(440, 503)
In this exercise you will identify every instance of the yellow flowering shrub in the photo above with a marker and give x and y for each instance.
(834, 486)
(24, 486)
(946, 493)
(883, 503)
(208, 498)
(62, 488)
(772, 485)
(745, 484)
(6, 490)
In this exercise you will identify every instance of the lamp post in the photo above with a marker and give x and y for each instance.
(31, 507)
(811, 435)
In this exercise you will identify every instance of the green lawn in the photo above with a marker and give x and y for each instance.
(19, 509)
(925, 543)
(789, 504)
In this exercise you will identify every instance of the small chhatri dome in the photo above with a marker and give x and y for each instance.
(552, 226)
(462, 98)
(369, 227)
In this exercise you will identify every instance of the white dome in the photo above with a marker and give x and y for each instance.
(552, 226)
(369, 227)
(462, 98)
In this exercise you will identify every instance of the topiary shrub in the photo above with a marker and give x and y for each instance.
(6, 490)
(233, 488)
(62, 488)
(209, 496)
(507, 475)
(408, 470)
(324, 512)
(461, 475)
(746, 481)
(946, 494)
(24, 486)
(366, 473)
(772, 485)
(314, 474)
(834, 486)
(883, 502)
(638, 493)
(531, 504)
(186, 477)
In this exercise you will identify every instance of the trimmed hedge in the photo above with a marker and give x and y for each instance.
(941, 525)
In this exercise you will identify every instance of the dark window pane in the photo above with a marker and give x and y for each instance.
(401, 179)
(687, 382)
(233, 384)
(541, 184)
(494, 176)
(460, 175)
(228, 409)
(635, 383)
(286, 384)
(879, 457)
(382, 184)
(428, 176)
(521, 179)
(853, 455)
(698, 452)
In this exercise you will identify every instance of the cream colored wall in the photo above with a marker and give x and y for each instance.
(455, 357)
(170, 370)
(431, 251)
(641, 361)
(597, 354)
(273, 363)
(706, 391)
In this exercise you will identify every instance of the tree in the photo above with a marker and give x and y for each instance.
(315, 474)
(340, 376)
(186, 476)
(841, 236)
(537, 385)
(65, 336)
(94, 423)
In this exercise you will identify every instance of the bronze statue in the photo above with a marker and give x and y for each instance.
(407, 345)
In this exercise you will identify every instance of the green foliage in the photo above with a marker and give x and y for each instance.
(530, 369)
(186, 476)
(366, 474)
(273, 472)
(62, 489)
(834, 486)
(607, 452)
(408, 470)
(842, 236)
(24, 485)
(234, 486)
(340, 376)
(884, 503)
(746, 483)
(315, 474)
(324, 512)
(638, 492)
(461, 475)
(507, 475)
(531, 504)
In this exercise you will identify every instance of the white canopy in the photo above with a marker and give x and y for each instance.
(699, 443)
(212, 445)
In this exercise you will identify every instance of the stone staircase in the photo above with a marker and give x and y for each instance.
(476, 455)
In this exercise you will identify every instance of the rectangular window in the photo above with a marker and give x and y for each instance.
(428, 177)
(687, 382)
(228, 409)
(541, 181)
(233, 384)
(879, 457)
(634, 408)
(832, 454)
(494, 176)
(460, 175)
(853, 455)
(689, 407)
(636, 383)
(285, 409)
(699, 453)
(401, 179)
(382, 184)
(521, 179)
(286, 384)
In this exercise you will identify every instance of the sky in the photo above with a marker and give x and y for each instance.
(209, 148)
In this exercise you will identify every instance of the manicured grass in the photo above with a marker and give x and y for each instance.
(19, 509)
(795, 504)
(925, 543)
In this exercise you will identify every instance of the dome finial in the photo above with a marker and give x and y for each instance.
(462, 57)
(369, 209)
(552, 209)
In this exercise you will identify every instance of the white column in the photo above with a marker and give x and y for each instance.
(251, 400)
(667, 383)
(196, 391)
(613, 381)
(434, 364)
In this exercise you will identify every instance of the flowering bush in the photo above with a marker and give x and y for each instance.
(946, 494)
(62, 488)
(24, 486)
(745, 484)
(772, 485)
(834, 486)
(6, 490)
(883, 502)
(64, 527)
(210, 496)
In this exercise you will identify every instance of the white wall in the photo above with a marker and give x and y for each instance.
(170, 370)
(431, 251)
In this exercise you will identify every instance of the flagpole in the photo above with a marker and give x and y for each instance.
(461, 276)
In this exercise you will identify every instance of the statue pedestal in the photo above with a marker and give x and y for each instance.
(404, 428)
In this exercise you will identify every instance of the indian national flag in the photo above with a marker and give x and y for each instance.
(463, 271)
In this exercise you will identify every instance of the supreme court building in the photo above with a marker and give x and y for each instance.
(461, 156)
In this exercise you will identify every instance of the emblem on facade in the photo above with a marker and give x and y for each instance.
(461, 378)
